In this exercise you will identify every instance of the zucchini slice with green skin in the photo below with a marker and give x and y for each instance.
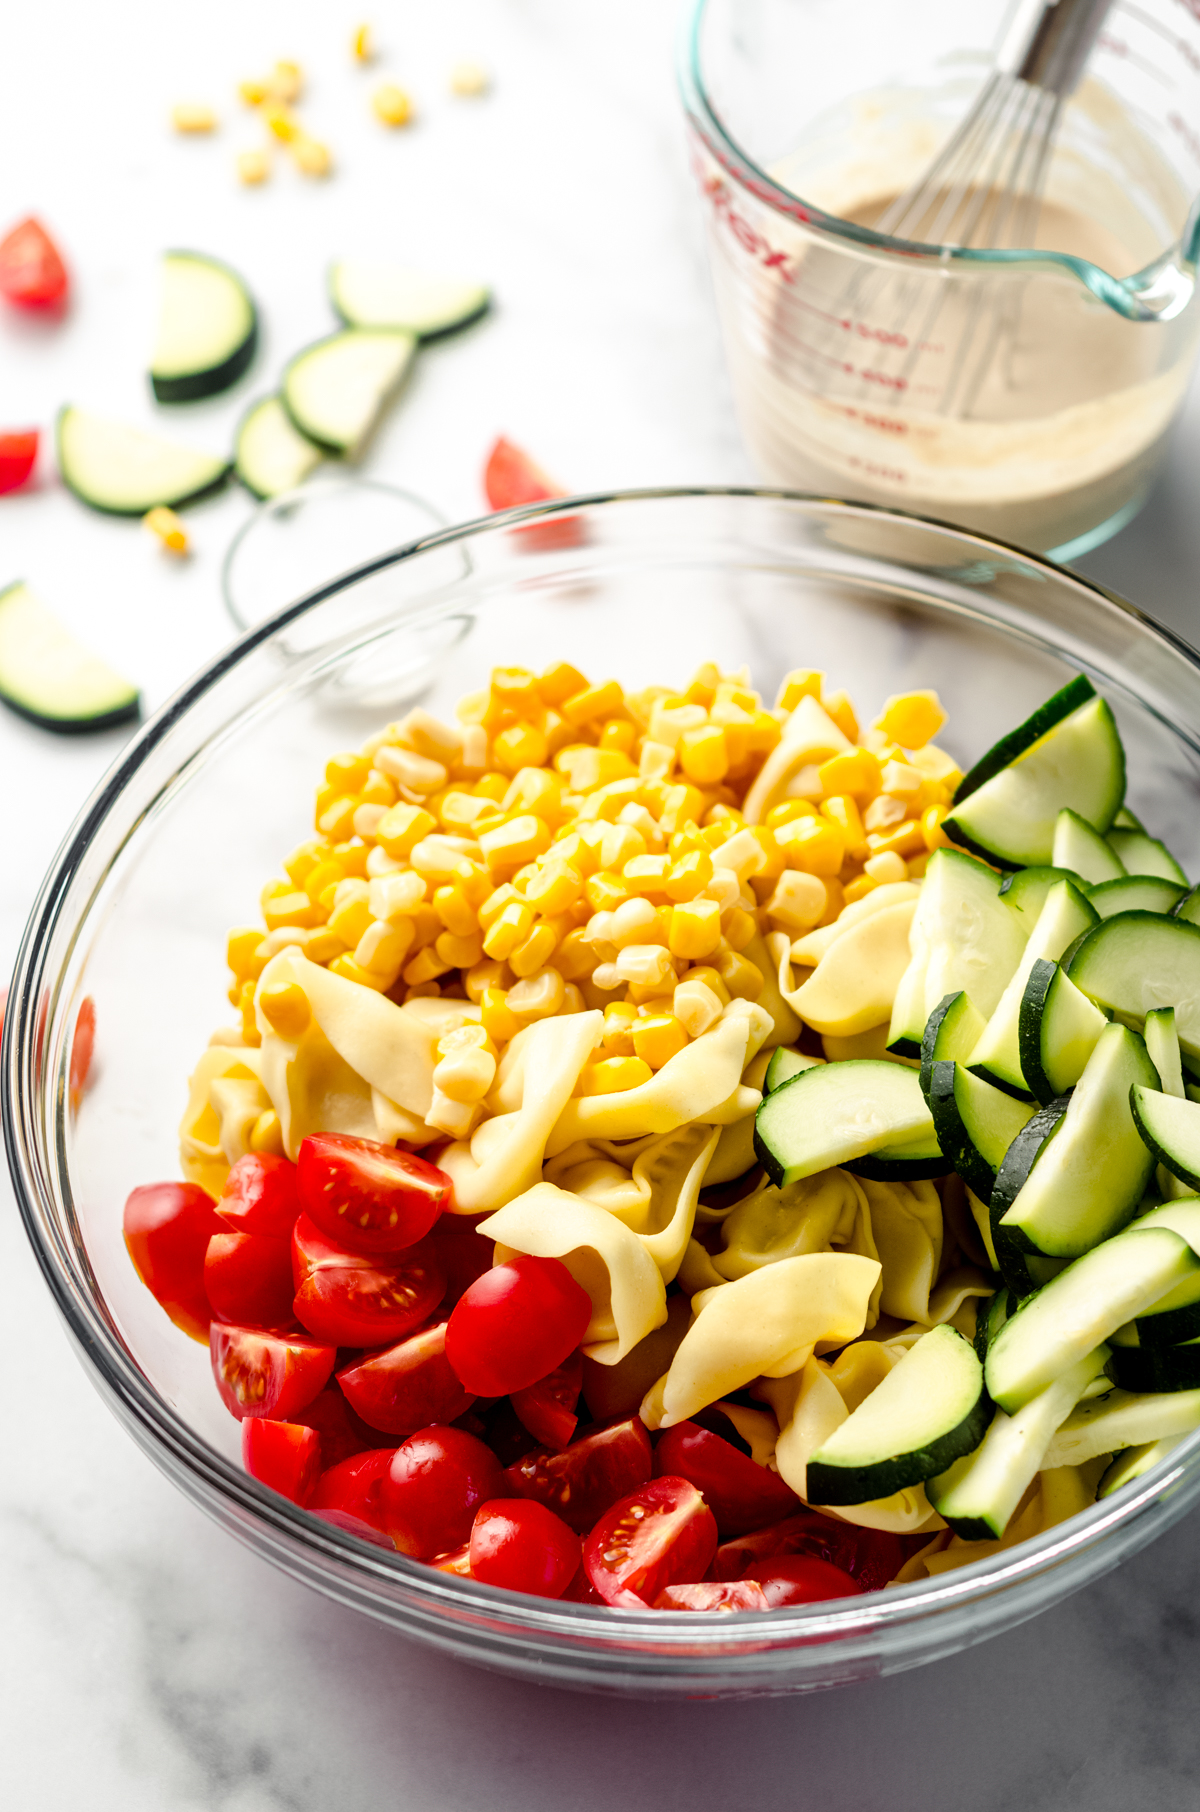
(1078, 846)
(366, 294)
(1014, 743)
(962, 937)
(978, 1495)
(1059, 1029)
(1010, 819)
(336, 390)
(207, 329)
(951, 1033)
(1133, 1463)
(911, 1162)
(1175, 1317)
(1122, 1419)
(1024, 891)
(1126, 820)
(929, 1411)
(1135, 893)
(125, 471)
(1162, 1048)
(270, 454)
(990, 1320)
(1188, 908)
(1134, 962)
(50, 678)
(997, 1056)
(976, 1124)
(1078, 1310)
(1157, 1368)
(785, 1063)
(1143, 855)
(1089, 1174)
(838, 1111)
(1170, 1128)
(1022, 1269)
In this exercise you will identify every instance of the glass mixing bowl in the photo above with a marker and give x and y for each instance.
(175, 845)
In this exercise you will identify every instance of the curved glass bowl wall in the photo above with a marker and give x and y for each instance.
(175, 846)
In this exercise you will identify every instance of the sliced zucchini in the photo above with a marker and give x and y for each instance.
(1010, 818)
(384, 295)
(906, 1162)
(336, 390)
(1162, 1048)
(1058, 1031)
(951, 1032)
(785, 1064)
(270, 454)
(49, 677)
(989, 1321)
(1140, 960)
(975, 1123)
(1143, 855)
(1024, 891)
(838, 1111)
(1157, 1368)
(1078, 846)
(1135, 893)
(1125, 820)
(1081, 1307)
(929, 1410)
(906, 1030)
(1133, 1463)
(1175, 1317)
(1089, 1174)
(962, 937)
(207, 329)
(1038, 724)
(997, 1056)
(1170, 1127)
(1122, 1419)
(125, 471)
(978, 1495)
(1188, 908)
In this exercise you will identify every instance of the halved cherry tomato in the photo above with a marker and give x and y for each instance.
(32, 273)
(354, 1487)
(264, 1374)
(84, 1040)
(261, 1196)
(343, 1434)
(581, 1590)
(507, 1437)
(352, 1525)
(662, 1535)
(733, 1595)
(18, 456)
(368, 1196)
(511, 477)
(282, 1455)
(248, 1279)
(462, 1254)
(435, 1484)
(586, 1479)
(741, 1494)
(871, 1556)
(458, 1562)
(524, 1546)
(547, 1408)
(358, 1301)
(167, 1230)
(801, 1579)
(516, 1323)
(407, 1386)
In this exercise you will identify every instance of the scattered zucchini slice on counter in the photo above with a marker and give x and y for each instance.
(786, 1063)
(1135, 893)
(929, 1410)
(270, 454)
(336, 390)
(976, 1123)
(367, 294)
(1143, 855)
(1058, 1031)
(1064, 917)
(1078, 846)
(49, 677)
(1133, 1463)
(835, 1112)
(126, 471)
(1006, 808)
(1136, 961)
(207, 329)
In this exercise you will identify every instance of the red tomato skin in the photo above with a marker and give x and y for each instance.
(261, 1196)
(731, 1595)
(462, 1254)
(282, 1455)
(83, 1043)
(871, 1556)
(32, 273)
(406, 1386)
(665, 1534)
(741, 1494)
(581, 1590)
(589, 1477)
(248, 1279)
(801, 1579)
(167, 1229)
(547, 1408)
(260, 1373)
(516, 1323)
(458, 1562)
(357, 1301)
(435, 1484)
(521, 1545)
(18, 456)
(354, 1487)
(343, 1434)
(369, 1197)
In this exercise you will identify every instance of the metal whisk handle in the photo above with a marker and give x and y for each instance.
(1048, 42)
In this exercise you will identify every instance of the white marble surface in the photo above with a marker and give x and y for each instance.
(148, 1661)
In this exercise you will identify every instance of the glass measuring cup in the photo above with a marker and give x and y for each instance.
(1024, 391)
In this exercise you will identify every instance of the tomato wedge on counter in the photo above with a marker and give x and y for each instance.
(586, 1479)
(435, 1483)
(167, 1229)
(261, 1196)
(665, 1534)
(741, 1494)
(523, 1546)
(354, 1300)
(407, 1386)
(511, 477)
(18, 455)
(515, 1324)
(267, 1374)
(282, 1455)
(368, 1196)
(32, 273)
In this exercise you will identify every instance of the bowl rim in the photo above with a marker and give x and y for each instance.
(133, 1398)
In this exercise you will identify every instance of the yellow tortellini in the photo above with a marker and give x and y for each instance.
(225, 1098)
(656, 1199)
(1053, 1496)
(854, 984)
(809, 736)
(906, 1226)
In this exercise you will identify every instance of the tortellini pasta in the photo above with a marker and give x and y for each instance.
(225, 1098)
(854, 984)
(657, 1199)
(1053, 1496)
(809, 736)
(906, 1226)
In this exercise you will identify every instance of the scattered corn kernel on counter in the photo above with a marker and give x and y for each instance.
(669, 1100)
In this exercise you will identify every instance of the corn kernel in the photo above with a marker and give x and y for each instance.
(912, 718)
(575, 958)
(739, 929)
(320, 876)
(287, 81)
(606, 891)
(658, 1038)
(322, 946)
(253, 92)
(683, 805)
(837, 705)
(886, 867)
(856, 773)
(883, 813)
(797, 903)
(469, 80)
(585, 706)
(648, 874)
(711, 978)
(349, 970)
(382, 948)
(695, 928)
(744, 853)
(813, 844)
(511, 845)
(918, 864)
(495, 1017)
(842, 811)
(724, 888)
(472, 758)
(165, 524)
(286, 1010)
(347, 773)
(634, 921)
(534, 790)
(646, 966)
(703, 754)
(418, 773)
(192, 117)
(459, 952)
(619, 1016)
(350, 920)
(337, 820)
(280, 124)
(933, 835)
(522, 745)
(613, 1075)
(377, 789)
(801, 682)
(554, 887)
(696, 1007)
(392, 105)
(366, 820)
(906, 839)
(352, 856)
(466, 1069)
(656, 760)
(425, 966)
(743, 980)
(619, 734)
(484, 975)
(511, 927)
(455, 910)
(702, 687)
(560, 682)
(266, 1135)
(239, 951)
(291, 908)
(361, 48)
(859, 888)
(537, 996)
(403, 828)
(619, 845)
(688, 875)
(588, 768)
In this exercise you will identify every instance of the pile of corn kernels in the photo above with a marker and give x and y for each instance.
(571, 846)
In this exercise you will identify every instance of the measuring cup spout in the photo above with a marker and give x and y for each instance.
(1162, 290)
